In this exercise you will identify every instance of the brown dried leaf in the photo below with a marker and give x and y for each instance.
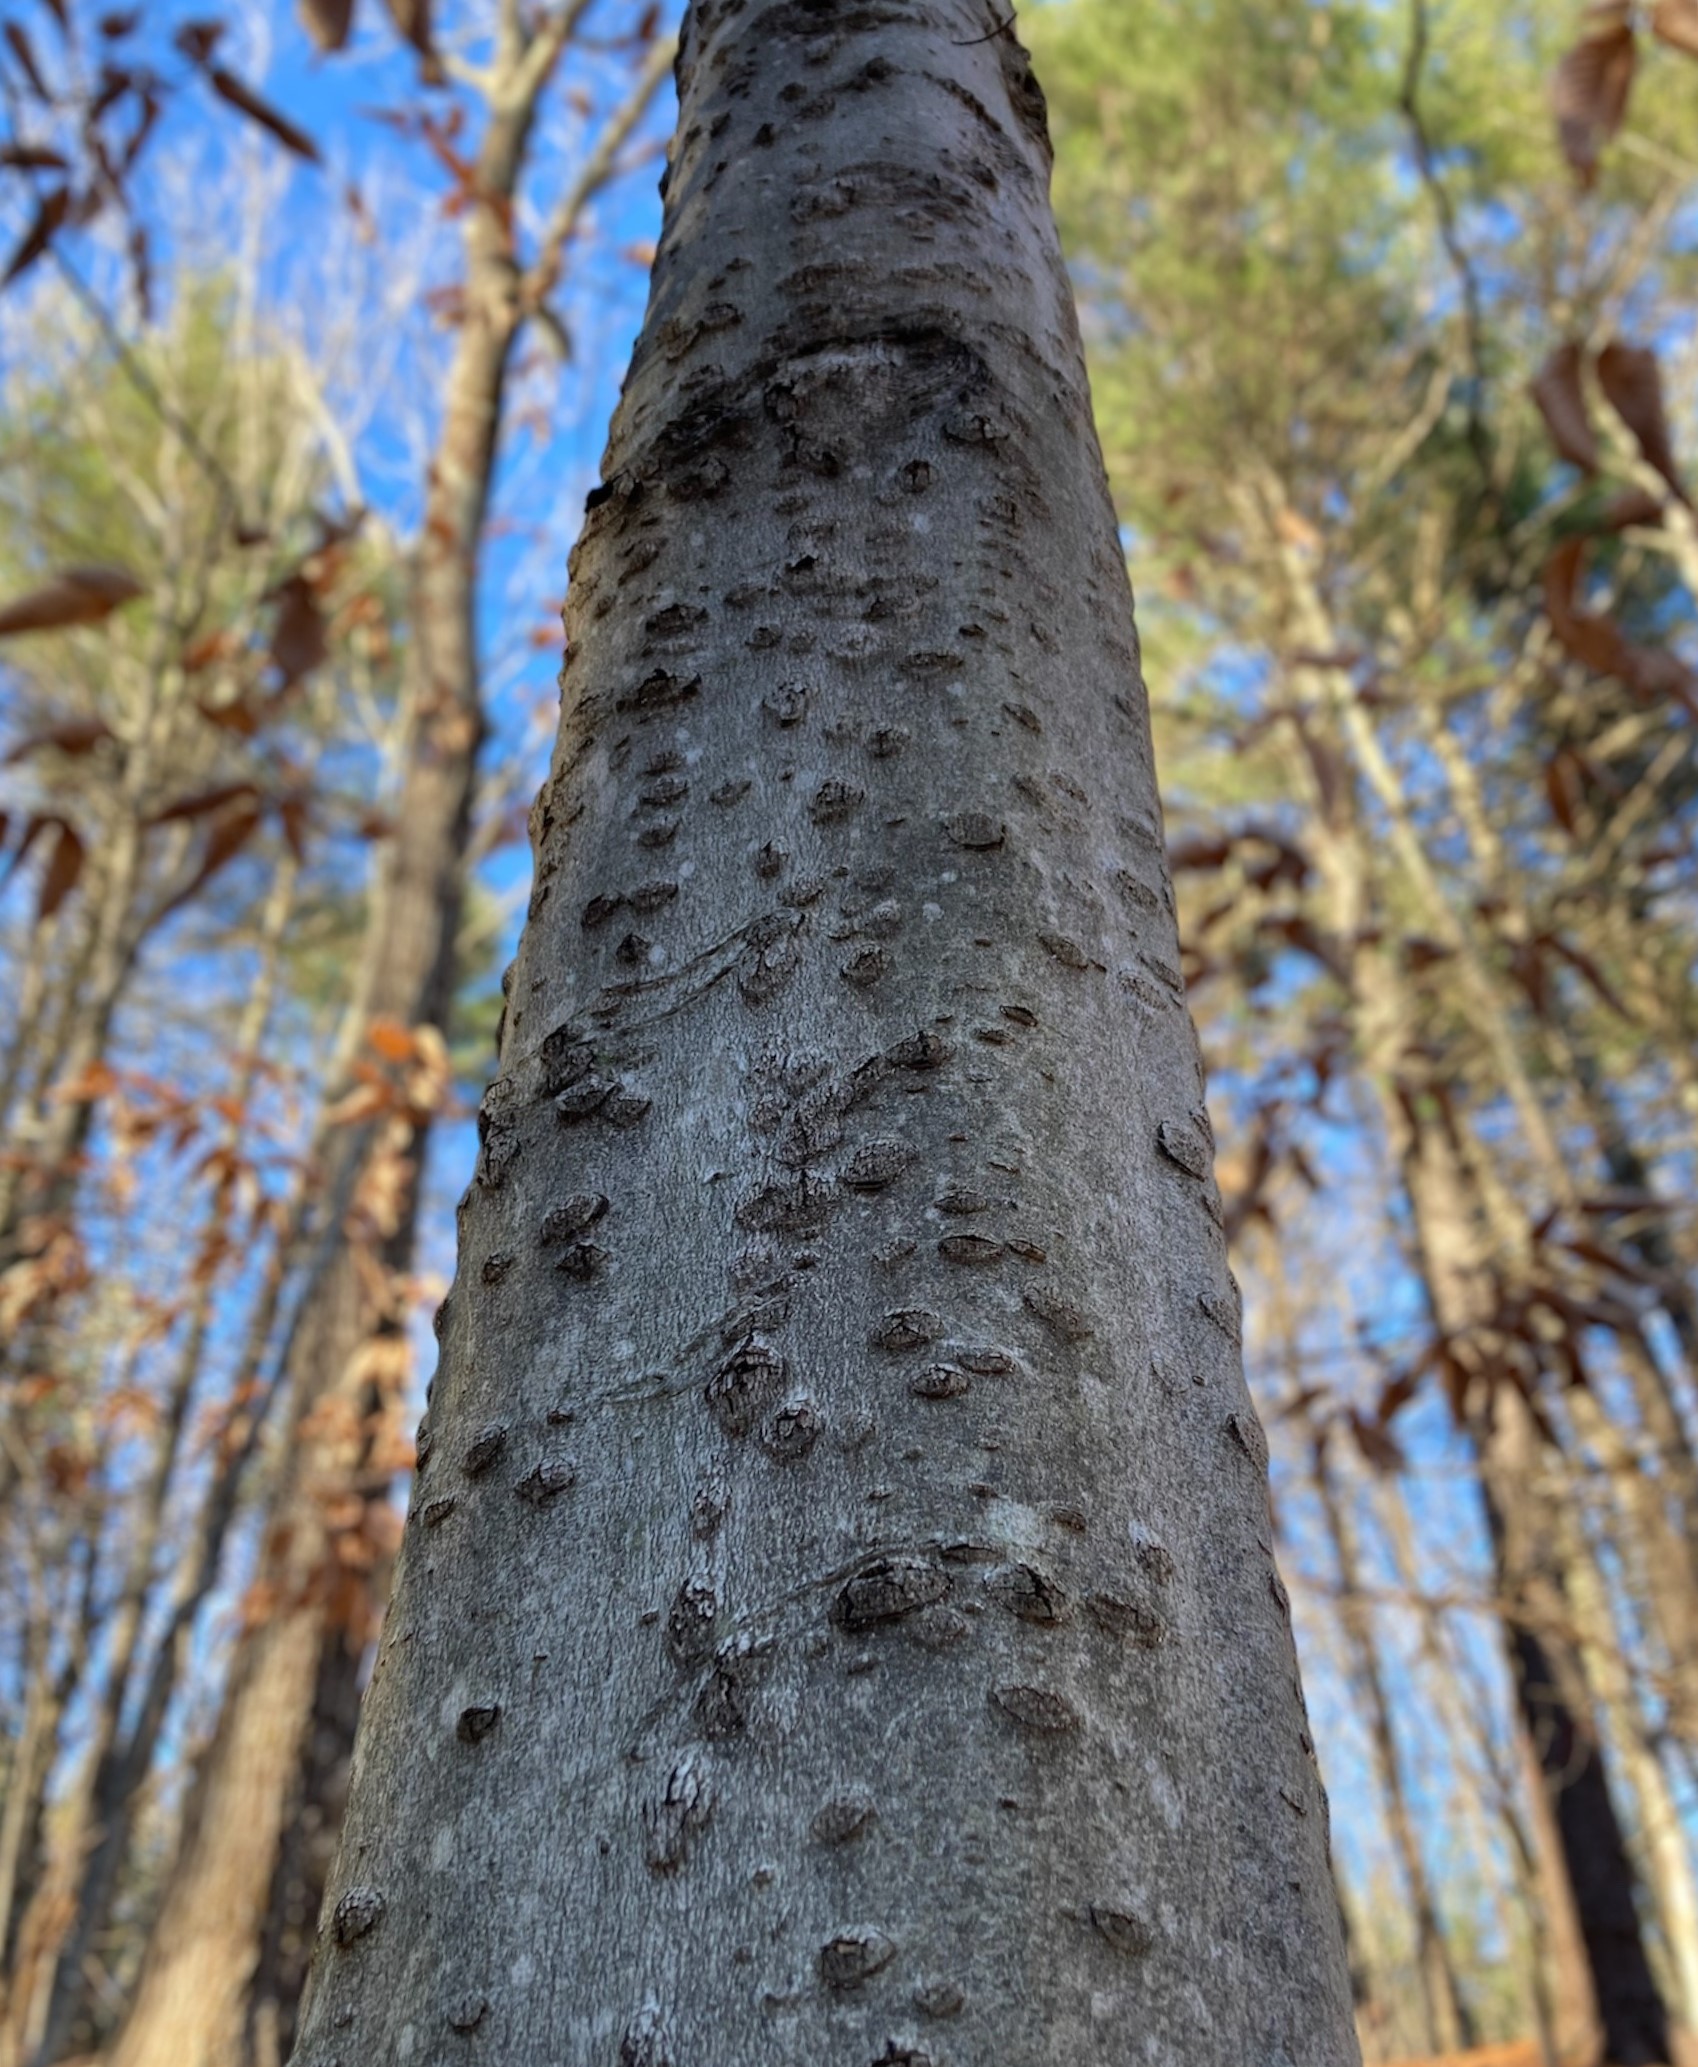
(391, 1040)
(1590, 93)
(328, 21)
(34, 827)
(1597, 641)
(229, 835)
(1565, 789)
(79, 737)
(412, 22)
(1198, 851)
(197, 40)
(298, 641)
(77, 595)
(1379, 1448)
(1561, 398)
(1655, 675)
(1632, 382)
(1633, 506)
(1676, 22)
(1579, 960)
(62, 872)
(50, 213)
(34, 158)
(209, 648)
(204, 804)
(239, 716)
(292, 816)
(242, 96)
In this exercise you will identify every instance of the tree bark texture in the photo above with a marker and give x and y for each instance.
(837, 1619)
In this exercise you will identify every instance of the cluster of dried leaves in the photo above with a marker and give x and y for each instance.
(1594, 83)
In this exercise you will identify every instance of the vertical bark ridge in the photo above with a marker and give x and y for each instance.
(838, 1619)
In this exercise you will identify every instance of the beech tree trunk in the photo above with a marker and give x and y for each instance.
(837, 1620)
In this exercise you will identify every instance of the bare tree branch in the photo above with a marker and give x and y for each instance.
(598, 170)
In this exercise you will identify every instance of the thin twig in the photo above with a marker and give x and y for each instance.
(1473, 314)
(598, 170)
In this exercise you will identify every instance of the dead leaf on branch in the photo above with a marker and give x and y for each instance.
(1597, 641)
(203, 803)
(328, 22)
(34, 158)
(1565, 789)
(1378, 1447)
(80, 736)
(63, 873)
(55, 1268)
(392, 1040)
(422, 1054)
(412, 22)
(1632, 507)
(230, 833)
(77, 595)
(1561, 397)
(34, 827)
(1632, 382)
(1650, 673)
(1676, 23)
(197, 40)
(1591, 89)
(99, 1080)
(299, 641)
(242, 97)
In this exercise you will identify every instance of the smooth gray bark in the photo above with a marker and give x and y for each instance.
(838, 1619)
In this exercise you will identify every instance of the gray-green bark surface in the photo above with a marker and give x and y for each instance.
(838, 1620)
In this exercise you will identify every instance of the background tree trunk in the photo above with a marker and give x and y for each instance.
(1448, 2026)
(839, 1605)
(190, 2003)
(190, 2008)
(1626, 2022)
